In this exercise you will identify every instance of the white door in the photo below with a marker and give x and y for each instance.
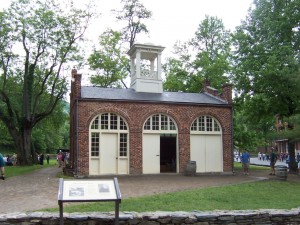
(151, 153)
(206, 150)
(214, 155)
(198, 152)
(108, 153)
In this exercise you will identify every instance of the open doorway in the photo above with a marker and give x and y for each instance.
(168, 153)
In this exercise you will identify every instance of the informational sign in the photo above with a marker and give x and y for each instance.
(76, 190)
(89, 191)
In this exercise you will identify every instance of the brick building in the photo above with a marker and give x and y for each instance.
(282, 144)
(143, 130)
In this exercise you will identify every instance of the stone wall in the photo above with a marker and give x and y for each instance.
(244, 217)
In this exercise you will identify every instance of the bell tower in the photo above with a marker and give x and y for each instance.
(145, 68)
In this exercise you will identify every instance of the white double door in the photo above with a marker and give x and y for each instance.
(206, 150)
(109, 161)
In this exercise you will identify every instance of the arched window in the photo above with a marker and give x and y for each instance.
(108, 122)
(205, 124)
(160, 122)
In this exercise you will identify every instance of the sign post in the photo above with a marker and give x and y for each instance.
(88, 191)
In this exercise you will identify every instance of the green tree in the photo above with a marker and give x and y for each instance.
(108, 61)
(6, 141)
(205, 56)
(177, 76)
(49, 134)
(36, 39)
(267, 55)
(212, 44)
(53, 132)
(266, 60)
(133, 13)
(250, 129)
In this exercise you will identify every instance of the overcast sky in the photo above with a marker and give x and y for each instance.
(172, 20)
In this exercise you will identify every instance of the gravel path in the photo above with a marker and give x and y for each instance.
(30, 191)
(38, 190)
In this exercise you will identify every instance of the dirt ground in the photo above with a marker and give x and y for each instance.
(39, 190)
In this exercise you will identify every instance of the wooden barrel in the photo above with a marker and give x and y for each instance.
(190, 168)
(281, 172)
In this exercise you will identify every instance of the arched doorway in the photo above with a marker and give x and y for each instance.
(206, 144)
(159, 145)
(108, 145)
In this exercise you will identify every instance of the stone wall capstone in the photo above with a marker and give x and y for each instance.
(236, 217)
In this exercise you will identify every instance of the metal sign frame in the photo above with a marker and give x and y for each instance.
(89, 191)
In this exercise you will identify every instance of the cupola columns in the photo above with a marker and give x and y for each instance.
(145, 68)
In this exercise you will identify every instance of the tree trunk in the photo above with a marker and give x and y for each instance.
(292, 163)
(23, 144)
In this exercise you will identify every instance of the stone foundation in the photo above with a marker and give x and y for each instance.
(244, 217)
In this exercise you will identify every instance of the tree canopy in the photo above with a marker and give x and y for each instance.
(205, 56)
(108, 61)
(266, 65)
(133, 13)
(266, 56)
(36, 40)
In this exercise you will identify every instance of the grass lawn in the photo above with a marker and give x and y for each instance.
(238, 167)
(11, 171)
(256, 195)
(268, 194)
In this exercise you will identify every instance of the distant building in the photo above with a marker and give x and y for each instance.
(143, 130)
(282, 143)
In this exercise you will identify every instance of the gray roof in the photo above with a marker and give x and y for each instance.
(116, 94)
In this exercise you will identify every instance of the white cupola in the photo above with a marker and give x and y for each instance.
(145, 68)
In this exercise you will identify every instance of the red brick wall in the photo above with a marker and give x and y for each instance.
(74, 96)
(135, 114)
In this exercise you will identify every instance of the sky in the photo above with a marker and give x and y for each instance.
(172, 20)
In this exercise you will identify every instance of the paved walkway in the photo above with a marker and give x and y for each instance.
(30, 191)
(38, 190)
(256, 161)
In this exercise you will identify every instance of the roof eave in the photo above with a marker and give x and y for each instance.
(156, 102)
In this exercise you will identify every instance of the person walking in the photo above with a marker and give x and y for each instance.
(14, 159)
(2, 164)
(42, 159)
(47, 158)
(60, 159)
(273, 159)
(245, 160)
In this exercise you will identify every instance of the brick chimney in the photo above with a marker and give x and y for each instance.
(227, 93)
(74, 96)
(75, 84)
(206, 83)
(207, 88)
